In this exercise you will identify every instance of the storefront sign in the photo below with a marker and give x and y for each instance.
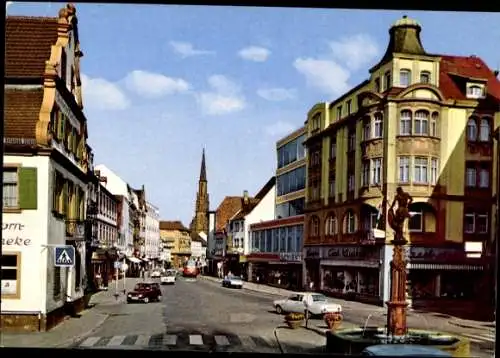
(291, 256)
(435, 254)
(312, 253)
(13, 234)
(352, 253)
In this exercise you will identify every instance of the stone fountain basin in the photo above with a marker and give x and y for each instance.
(354, 340)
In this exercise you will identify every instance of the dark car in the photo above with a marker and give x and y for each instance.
(145, 292)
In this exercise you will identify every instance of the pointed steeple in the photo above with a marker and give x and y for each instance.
(203, 170)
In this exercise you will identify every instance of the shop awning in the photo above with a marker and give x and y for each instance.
(350, 263)
(133, 259)
(457, 267)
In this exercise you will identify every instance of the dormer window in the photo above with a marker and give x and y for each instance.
(404, 78)
(339, 112)
(377, 85)
(475, 91)
(316, 122)
(425, 77)
(387, 80)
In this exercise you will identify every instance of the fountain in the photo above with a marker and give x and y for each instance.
(396, 331)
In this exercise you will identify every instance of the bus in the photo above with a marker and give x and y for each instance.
(190, 269)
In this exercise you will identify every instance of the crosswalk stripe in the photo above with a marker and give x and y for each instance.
(170, 339)
(247, 341)
(89, 342)
(196, 339)
(115, 341)
(142, 340)
(221, 340)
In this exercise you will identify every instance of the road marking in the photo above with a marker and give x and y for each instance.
(195, 339)
(89, 342)
(142, 340)
(115, 341)
(247, 341)
(488, 337)
(170, 339)
(221, 340)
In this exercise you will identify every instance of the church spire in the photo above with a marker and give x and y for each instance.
(203, 170)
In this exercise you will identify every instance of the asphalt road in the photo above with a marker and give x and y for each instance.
(201, 315)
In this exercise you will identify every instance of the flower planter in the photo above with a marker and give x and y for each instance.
(293, 324)
(333, 320)
(294, 320)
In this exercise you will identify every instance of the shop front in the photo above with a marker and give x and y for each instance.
(311, 278)
(103, 266)
(352, 272)
(286, 271)
(445, 280)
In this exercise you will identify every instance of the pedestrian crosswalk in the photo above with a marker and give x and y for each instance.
(488, 337)
(183, 341)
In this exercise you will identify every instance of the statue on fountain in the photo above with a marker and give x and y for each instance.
(396, 219)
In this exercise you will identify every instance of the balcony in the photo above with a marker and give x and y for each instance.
(75, 229)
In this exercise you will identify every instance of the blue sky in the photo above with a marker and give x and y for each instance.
(163, 81)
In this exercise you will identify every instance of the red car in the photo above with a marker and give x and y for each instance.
(145, 292)
(191, 270)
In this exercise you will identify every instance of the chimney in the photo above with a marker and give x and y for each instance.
(245, 197)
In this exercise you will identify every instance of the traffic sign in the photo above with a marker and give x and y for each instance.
(117, 264)
(64, 256)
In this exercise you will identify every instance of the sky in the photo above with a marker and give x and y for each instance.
(162, 82)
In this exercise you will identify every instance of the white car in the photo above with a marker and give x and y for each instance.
(168, 278)
(232, 281)
(155, 274)
(316, 304)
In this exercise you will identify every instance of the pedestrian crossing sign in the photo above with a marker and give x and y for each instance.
(64, 256)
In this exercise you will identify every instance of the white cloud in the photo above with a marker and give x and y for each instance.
(279, 128)
(99, 93)
(326, 75)
(355, 51)
(225, 97)
(154, 85)
(186, 49)
(254, 53)
(277, 94)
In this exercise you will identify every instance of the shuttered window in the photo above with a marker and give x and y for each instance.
(28, 188)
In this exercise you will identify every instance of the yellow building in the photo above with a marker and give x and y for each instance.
(422, 122)
(176, 236)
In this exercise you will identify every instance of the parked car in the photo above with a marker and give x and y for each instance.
(317, 304)
(155, 274)
(145, 292)
(169, 277)
(403, 350)
(232, 281)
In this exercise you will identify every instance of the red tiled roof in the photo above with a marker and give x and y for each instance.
(172, 225)
(28, 42)
(469, 67)
(227, 208)
(21, 111)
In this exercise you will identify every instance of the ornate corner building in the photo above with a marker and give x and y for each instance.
(423, 122)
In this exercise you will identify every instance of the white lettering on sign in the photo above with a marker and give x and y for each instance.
(18, 228)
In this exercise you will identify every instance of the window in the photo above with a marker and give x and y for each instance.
(387, 80)
(484, 178)
(333, 148)
(377, 85)
(331, 189)
(404, 78)
(366, 129)
(421, 123)
(10, 188)
(434, 171)
(433, 132)
(404, 169)
(425, 77)
(470, 177)
(482, 223)
(56, 284)
(351, 141)
(472, 130)
(314, 231)
(378, 129)
(405, 123)
(420, 174)
(339, 112)
(484, 130)
(469, 223)
(350, 223)
(365, 173)
(11, 273)
(376, 166)
(350, 182)
(415, 223)
(331, 225)
(316, 121)
(475, 91)
(64, 65)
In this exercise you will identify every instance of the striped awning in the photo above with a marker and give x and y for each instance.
(458, 267)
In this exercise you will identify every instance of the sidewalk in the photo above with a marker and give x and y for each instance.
(72, 328)
(428, 318)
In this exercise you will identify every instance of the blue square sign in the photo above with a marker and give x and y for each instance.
(64, 256)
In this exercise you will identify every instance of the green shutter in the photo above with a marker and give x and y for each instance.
(65, 208)
(28, 188)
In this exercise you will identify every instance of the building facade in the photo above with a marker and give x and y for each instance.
(179, 240)
(152, 242)
(45, 172)
(422, 122)
(276, 251)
